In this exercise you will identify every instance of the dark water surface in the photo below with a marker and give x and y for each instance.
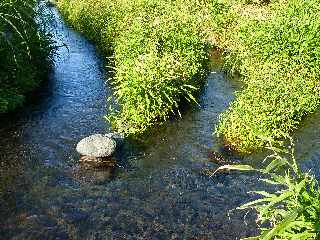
(158, 191)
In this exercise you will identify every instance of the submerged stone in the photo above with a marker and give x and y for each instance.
(98, 162)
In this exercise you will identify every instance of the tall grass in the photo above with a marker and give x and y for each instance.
(24, 52)
(160, 50)
(276, 49)
(159, 53)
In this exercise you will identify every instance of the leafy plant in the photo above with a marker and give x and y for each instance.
(293, 211)
(25, 52)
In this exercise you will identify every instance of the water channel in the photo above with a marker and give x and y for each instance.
(159, 190)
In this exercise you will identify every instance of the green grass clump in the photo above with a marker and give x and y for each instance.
(292, 210)
(24, 52)
(160, 48)
(159, 53)
(276, 49)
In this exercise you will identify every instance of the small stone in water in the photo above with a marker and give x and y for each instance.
(97, 145)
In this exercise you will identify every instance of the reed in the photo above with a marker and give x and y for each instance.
(25, 52)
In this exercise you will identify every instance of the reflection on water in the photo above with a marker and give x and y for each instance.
(157, 191)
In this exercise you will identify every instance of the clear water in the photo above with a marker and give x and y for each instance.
(158, 191)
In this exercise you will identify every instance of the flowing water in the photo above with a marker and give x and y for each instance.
(159, 190)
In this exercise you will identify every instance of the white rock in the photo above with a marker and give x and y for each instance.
(97, 145)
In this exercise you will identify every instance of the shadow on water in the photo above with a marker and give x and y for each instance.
(158, 191)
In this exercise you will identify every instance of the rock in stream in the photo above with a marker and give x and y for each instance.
(97, 146)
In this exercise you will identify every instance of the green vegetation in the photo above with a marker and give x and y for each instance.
(292, 212)
(160, 50)
(159, 53)
(276, 49)
(24, 52)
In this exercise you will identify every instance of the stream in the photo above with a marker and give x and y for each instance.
(159, 190)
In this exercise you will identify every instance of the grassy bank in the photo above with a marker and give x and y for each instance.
(24, 52)
(160, 50)
(159, 53)
(276, 49)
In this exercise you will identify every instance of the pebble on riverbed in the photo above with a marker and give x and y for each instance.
(97, 145)
(97, 149)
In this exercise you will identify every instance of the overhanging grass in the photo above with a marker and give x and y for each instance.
(278, 56)
(159, 49)
(291, 210)
(24, 52)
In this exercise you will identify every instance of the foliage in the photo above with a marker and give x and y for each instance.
(159, 53)
(276, 49)
(293, 211)
(24, 52)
